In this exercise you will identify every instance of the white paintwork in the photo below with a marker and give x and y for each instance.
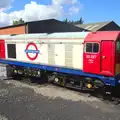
(6, 53)
(42, 57)
(42, 40)
(78, 56)
(60, 54)
(43, 53)
(20, 54)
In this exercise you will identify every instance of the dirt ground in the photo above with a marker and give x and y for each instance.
(21, 101)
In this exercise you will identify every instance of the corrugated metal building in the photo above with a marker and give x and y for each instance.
(100, 26)
(43, 26)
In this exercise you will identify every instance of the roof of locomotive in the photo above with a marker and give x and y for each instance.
(4, 36)
(103, 35)
(46, 35)
(89, 36)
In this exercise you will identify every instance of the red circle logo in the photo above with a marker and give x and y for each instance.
(34, 51)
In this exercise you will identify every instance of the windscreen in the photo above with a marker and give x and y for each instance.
(118, 46)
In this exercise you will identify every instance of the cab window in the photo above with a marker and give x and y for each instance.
(92, 47)
(118, 46)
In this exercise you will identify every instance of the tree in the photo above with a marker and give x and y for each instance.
(21, 21)
(65, 20)
(80, 21)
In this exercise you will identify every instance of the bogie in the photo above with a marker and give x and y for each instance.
(65, 80)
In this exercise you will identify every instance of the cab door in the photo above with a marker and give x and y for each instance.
(107, 57)
(2, 49)
(91, 57)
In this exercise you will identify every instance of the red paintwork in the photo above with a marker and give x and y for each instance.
(91, 62)
(102, 35)
(107, 63)
(107, 41)
(2, 49)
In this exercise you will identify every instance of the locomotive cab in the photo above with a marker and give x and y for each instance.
(103, 55)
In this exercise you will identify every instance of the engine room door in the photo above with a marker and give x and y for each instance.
(107, 57)
(60, 54)
(2, 49)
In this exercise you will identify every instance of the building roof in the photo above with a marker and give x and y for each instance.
(49, 21)
(10, 26)
(94, 26)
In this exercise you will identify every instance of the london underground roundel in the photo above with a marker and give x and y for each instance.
(32, 51)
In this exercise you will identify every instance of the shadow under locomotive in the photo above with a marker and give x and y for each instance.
(71, 82)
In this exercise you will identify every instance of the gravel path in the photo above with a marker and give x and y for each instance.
(20, 101)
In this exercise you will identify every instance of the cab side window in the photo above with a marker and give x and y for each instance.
(95, 47)
(92, 47)
(118, 46)
(88, 47)
(11, 49)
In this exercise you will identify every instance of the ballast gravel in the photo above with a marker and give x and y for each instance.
(21, 101)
